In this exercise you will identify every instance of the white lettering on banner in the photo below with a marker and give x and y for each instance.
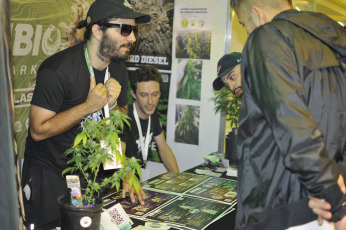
(38, 35)
(25, 42)
(33, 69)
(154, 60)
(47, 47)
(22, 44)
(24, 97)
(24, 68)
(134, 59)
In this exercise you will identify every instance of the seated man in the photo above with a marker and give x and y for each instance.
(145, 125)
(229, 73)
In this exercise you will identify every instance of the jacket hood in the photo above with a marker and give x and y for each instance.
(320, 26)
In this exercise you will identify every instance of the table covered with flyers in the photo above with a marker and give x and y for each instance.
(185, 200)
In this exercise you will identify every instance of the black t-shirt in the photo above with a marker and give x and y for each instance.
(63, 81)
(131, 135)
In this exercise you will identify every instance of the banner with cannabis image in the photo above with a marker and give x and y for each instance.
(189, 79)
(38, 30)
(193, 32)
(154, 43)
(187, 124)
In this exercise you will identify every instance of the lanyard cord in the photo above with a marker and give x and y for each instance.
(144, 146)
(91, 71)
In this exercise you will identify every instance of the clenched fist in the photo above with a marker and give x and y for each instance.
(113, 88)
(97, 97)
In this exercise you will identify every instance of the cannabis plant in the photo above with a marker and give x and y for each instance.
(87, 155)
(198, 45)
(193, 45)
(190, 88)
(187, 131)
(227, 103)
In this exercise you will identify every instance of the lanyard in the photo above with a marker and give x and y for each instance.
(143, 141)
(91, 71)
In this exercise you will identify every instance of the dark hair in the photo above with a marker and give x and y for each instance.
(145, 73)
(234, 4)
(88, 31)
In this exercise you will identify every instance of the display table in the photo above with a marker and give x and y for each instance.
(226, 222)
(183, 198)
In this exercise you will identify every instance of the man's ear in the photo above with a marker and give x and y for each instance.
(97, 32)
(258, 16)
(133, 94)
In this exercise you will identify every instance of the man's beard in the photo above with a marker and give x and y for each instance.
(235, 91)
(109, 49)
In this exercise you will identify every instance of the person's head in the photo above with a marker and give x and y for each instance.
(146, 83)
(254, 13)
(229, 73)
(113, 24)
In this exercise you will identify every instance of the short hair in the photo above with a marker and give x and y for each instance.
(235, 4)
(145, 73)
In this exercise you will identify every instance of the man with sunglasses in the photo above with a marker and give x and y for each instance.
(83, 81)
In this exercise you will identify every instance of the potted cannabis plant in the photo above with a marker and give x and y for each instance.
(89, 153)
(228, 103)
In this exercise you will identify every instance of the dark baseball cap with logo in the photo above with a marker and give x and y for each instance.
(225, 64)
(102, 9)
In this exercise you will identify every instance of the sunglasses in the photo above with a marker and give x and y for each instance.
(125, 30)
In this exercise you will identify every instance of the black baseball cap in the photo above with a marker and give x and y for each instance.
(225, 64)
(102, 9)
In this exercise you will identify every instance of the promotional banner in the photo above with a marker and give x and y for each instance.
(38, 30)
(200, 38)
(154, 44)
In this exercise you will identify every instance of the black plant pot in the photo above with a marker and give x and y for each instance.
(79, 218)
(231, 148)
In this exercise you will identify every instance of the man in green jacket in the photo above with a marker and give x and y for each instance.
(292, 118)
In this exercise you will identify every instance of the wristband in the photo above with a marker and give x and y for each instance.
(115, 104)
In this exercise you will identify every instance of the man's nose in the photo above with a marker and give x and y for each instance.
(150, 99)
(131, 38)
(231, 86)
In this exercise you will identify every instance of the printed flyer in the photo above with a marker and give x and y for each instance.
(154, 200)
(190, 213)
(219, 189)
(174, 182)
